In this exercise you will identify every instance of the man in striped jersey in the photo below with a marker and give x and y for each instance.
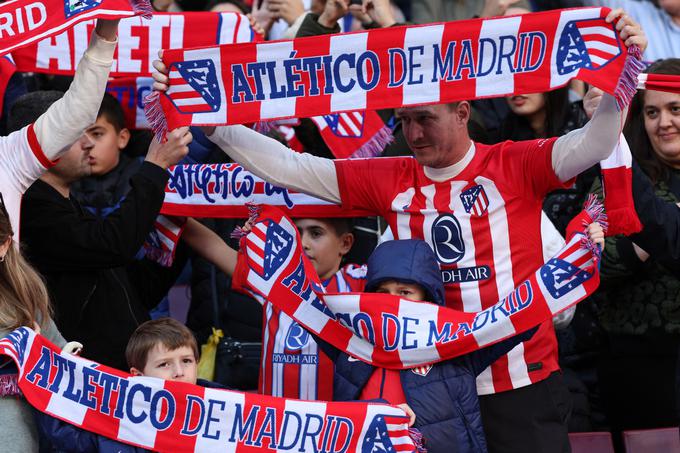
(479, 208)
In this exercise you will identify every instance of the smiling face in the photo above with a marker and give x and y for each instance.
(174, 365)
(323, 245)
(661, 112)
(436, 134)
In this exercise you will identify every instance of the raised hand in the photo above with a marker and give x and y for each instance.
(107, 29)
(175, 148)
(631, 32)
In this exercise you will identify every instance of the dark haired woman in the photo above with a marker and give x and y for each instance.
(640, 308)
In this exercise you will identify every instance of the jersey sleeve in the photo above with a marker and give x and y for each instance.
(527, 167)
(369, 183)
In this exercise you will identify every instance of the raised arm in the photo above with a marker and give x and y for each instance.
(210, 246)
(81, 102)
(277, 164)
(582, 148)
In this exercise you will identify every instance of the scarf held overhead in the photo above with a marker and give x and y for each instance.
(25, 21)
(139, 41)
(226, 190)
(391, 332)
(394, 67)
(171, 416)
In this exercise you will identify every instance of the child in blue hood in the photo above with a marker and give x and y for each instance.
(442, 397)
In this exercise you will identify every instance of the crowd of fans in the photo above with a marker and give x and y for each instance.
(80, 194)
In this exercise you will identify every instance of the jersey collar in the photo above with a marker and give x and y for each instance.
(442, 174)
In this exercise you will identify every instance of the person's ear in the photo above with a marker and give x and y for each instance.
(123, 138)
(463, 111)
(346, 243)
(135, 372)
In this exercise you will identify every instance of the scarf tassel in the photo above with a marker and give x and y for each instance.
(142, 7)
(253, 213)
(9, 385)
(155, 116)
(162, 257)
(596, 212)
(628, 81)
(417, 438)
(375, 145)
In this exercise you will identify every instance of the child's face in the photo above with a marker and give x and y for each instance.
(105, 153)
(176, 365)
(410, 291)
(323, 246)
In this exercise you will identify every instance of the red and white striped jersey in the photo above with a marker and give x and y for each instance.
(484, 225)
(292, 365)
(22, 161)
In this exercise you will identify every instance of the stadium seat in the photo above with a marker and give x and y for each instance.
(596, 442)
(665, 440)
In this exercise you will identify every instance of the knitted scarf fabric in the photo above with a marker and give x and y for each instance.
(27, 21)
(391, 332)
(394, 67)
(173, 417)
(138, 42)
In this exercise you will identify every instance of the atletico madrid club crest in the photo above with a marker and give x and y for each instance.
(422, 370)
(561, 277)
(73, 7)
(475, 201)
(588, 44)
(194, 87)
(271, 245)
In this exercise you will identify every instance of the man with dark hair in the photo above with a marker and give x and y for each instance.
(99, 292)
(479, 209)
(111, 169)
(42, 126)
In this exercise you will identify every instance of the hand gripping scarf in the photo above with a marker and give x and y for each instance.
(25, 21)
(391, 332)
(175, 417)
(394, 67)
(138, 42)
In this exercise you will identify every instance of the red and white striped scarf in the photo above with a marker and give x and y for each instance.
(174, 417)
(394, 67)
(138, 42)
(391, 332)
(226, 191)
(28, 21)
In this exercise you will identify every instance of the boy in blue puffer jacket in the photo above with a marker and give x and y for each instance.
(442, 397)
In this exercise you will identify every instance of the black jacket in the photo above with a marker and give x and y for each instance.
(99, 292)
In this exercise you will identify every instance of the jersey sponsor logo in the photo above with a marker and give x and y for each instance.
(296, 338)
(295, 359)
(447, 239)
(588, 44)
(475, 201)
(466, 274)
(561, 277)
(73, 7)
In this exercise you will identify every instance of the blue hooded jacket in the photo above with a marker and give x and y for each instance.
(445, 398)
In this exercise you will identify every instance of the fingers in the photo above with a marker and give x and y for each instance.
(160, 78)
(412, 416)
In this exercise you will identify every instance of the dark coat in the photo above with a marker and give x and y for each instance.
(99, 292)
(445, 398)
